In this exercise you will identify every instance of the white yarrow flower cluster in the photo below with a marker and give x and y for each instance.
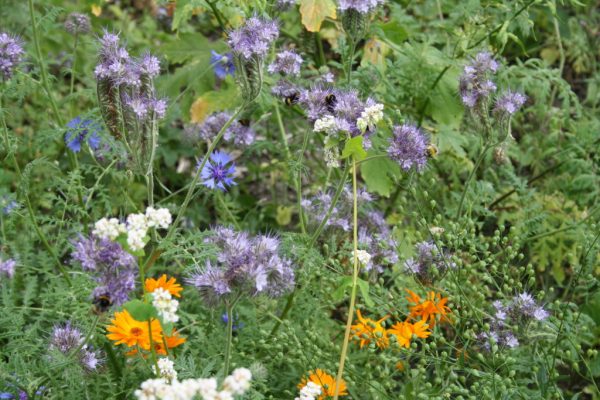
(370, 117)
(166, 369)
(165, 305)
(206, 389)
(363, 257)
(136, 227)
(326, 124)
(331, 155)
(309, 392)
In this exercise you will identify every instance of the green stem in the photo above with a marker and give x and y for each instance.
(74, 63)
(104, 172)
(230, 215)
(340, 372)
(228, 343)
(36, 227)
(469, 178)
(152, 349)
(217, 14)
(299, 184)
(350, 58)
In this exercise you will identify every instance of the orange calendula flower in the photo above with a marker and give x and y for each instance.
(367, 330)
(170, 285)
(172, 341)
(404, 331)
(429, 308)
(327, 383)
(126, 330)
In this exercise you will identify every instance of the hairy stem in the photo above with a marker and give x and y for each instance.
(469, 178)
(72, 85)
(228, 343)
(340, 372)
(299, 184)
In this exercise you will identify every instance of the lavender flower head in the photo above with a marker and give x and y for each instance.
(77, 24)
(362, 6)
(218, 171)
(222, 64)
(81, 131)
(287, 63)
(509, 103)
(244, 265)
(113, 269)
(317, 102)
(408, 147)
(67, 338)
(475, 85)
(7, 267)
(8, 204)
(428, 259)
(236, 133)
(254, 38)
(11, 54)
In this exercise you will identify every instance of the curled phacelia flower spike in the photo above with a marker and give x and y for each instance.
(236, 133)
(509, 103)
(66, 339)
(77, 24)
(287, 63)
(474, 85)
(408, 147)
(11, 54)
(362, 6)
(7, 267)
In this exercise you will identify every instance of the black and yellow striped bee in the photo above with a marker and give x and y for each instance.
(292, 99)
(101, 304)
(432, 150)
(244, 122)
(330, 101)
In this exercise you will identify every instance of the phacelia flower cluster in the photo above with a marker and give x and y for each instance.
(66, 339)
(82, 131)
(361, 6)
(135, 229)
(475, 84)
(236, 133)
(408, 147)
(233, 385)
(428, 262)
(244, 265)
(254, 38)
(77, 24)
(11, 54)
(218, 171)
(7, 267)
(287, 63)
(113, 269)
(519, 311)
(509, 103)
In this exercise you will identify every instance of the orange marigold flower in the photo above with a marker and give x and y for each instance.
(429, 308)
(327, 383)
(126, 330)
(367, 330)
(404, 331)
(170, 285)
(172, 341)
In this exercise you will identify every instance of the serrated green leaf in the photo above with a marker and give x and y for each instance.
(354, 148)
(378, 174)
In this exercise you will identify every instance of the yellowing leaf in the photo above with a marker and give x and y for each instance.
(314, 13)
(96, 10)
(199, 110)
(374, 54)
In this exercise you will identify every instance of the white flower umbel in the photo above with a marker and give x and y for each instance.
(326, 124)
(153, 389)
(370, 117)
(108, 228)
(239, 381)
(137, 222)
(363, 257)
(310, 392)
(332, 157)
(158, 218)
(166, 369)
(165, 305)
(135, 239)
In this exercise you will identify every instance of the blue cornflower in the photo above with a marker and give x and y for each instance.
(223, 64)
(80, 131)
(218, 171)
(236, 323)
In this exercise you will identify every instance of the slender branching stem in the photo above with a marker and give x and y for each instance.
(340, 372)
(229, 341)
(299, 184)
(72, 85)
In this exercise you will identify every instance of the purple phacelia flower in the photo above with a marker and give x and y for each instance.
(428, 257)
(139, 106)
(11, 54)
(362, 6)
(66, 339)
(237, 133)
(287, 63)
(77, 24)
(82, 131)
(475, 85)
(222, 64)
(236, 323)
(218, 171)
(509, 103)
(149, 65)
(159, 107)
(7, 267)
(317, 102)
(244, 265)
(113, 269)
(408, 147)
(254, 38)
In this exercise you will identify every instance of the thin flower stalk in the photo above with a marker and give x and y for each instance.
(340, 373)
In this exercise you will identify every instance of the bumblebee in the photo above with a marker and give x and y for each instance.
(101, 304)
(244, 122)
(432, 150)
(330, 101)
(292, 99)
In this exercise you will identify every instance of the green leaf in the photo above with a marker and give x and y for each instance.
(339, 293)
(187, 46)
(378, 174)
(363, 286)
(444, 105)
(354, 148)
(139, 310)
(393, 31)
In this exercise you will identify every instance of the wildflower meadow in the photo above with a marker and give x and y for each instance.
(299, 199)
